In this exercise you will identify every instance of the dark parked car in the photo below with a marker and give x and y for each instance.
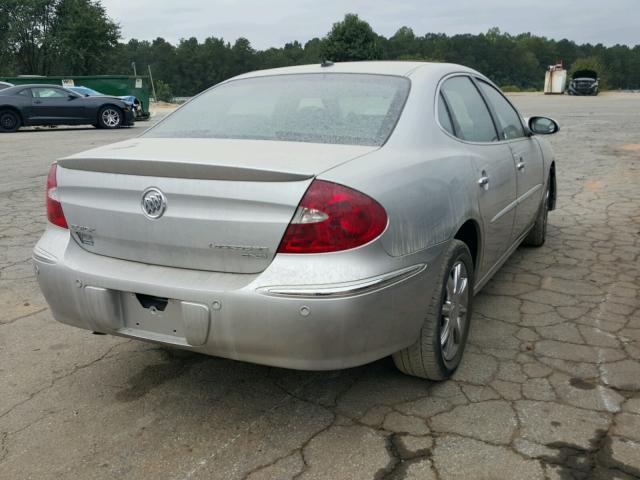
(584, 82)
(25, 105)
(132, 100)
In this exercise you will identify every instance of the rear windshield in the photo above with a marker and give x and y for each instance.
(350, 109)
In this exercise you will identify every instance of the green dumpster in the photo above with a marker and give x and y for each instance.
(118, 85)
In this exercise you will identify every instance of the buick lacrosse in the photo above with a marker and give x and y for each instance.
(311, 217)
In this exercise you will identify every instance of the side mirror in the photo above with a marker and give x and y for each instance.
(543, 125)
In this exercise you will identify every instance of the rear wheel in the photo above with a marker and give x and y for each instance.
(109, 117)
(9, 121)
(437, 352)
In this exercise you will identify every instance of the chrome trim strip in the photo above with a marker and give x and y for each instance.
(516, 202)
(505, 210)
(345, 289)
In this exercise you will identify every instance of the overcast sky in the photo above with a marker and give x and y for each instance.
(272, 23)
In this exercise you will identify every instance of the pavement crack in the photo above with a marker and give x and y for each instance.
(27, 315)
(400, 459)
(272, 463)
(52, 383)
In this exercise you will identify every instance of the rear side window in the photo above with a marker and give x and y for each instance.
(443, 115)
(508, 117)
(26, 92)
(350, 109)
(471, 113)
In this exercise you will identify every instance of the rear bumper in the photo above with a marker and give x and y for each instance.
(345, 310)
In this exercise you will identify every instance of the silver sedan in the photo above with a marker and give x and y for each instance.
(313, 217)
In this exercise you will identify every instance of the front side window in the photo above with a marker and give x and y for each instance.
(42, 92)
(469, 110)
(508, 117)
(350, 109)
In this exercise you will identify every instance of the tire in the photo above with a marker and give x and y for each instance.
(538, 233)
(9, 121)
(110, 117)
(427, 357)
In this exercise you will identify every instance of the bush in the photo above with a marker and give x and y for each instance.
(163, 91)
(510, 88)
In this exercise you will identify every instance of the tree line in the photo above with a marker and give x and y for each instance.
(76, 37)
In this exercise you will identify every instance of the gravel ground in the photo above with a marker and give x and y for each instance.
(549, 386)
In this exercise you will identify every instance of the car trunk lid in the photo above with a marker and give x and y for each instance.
(228, 202)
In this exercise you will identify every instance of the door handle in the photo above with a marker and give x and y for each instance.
(520, 165)
(483, 181)
(37, 101)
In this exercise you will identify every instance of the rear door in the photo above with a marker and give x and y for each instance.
(56, 105)
(527, 157)
(493, 162)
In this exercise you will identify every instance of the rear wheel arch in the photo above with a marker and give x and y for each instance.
(14, 110)
(10, 120)
(469, 233)
(109, 105)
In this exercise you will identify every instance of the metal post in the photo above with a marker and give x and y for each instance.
(153, 87)
(133, 64)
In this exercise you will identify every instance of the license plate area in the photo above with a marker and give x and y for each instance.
(153, 314)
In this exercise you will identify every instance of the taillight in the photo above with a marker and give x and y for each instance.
(333, 217)
(54, 208)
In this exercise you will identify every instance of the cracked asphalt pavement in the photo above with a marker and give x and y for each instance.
(549, 387)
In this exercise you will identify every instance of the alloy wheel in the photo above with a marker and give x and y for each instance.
(453, 322)
(111, 117)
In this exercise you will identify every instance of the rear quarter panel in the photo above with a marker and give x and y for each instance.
(423, 178)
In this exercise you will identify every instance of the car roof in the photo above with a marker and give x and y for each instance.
(18, 88)
(32, 85)
(398, 68)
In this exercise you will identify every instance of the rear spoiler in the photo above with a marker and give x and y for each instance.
(198, 171)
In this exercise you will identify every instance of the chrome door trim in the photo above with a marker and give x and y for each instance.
(516, 202)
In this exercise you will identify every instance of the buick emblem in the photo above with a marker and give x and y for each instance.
(154, 203)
